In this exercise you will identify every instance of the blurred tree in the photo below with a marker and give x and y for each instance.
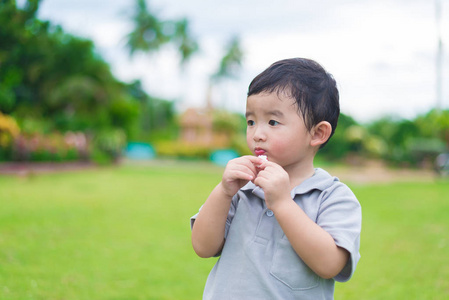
(415, 141)
(187, 46)
(397, 134)
(53, 81)
(339, 145)
(12, 24)
(229, 67)
(434, 124)
(156, 116)
(150, 33)
(48, 74)
(147, 34)
(432, 138)
(231, 62)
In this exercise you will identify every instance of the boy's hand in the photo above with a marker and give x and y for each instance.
(274, 181)
(238, 173)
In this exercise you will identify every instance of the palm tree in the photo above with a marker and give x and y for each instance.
(186, 44)
(229, 67)
(231, 62)
(150, 33)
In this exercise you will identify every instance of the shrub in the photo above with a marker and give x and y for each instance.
(50, 147)
(181, 149)
(8, 130)
(108, 145)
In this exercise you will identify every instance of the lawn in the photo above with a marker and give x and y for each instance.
(123, 233)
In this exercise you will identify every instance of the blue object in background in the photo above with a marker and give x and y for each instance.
(136, 150)
(221, 157)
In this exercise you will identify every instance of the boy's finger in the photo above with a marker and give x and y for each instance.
(256, 161)
(243, 175)
(243, 167)
(251, 162)
(246, 169)
(253, 159)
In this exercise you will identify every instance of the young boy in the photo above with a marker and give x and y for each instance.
(283, 229)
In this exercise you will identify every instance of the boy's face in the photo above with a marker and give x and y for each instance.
(275, 129)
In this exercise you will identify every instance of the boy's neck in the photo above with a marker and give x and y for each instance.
(300, 172)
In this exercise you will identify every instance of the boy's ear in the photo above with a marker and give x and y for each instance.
(321, 133)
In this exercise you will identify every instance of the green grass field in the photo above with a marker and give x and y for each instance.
(123, 233)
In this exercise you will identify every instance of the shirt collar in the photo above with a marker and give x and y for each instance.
(321, 180)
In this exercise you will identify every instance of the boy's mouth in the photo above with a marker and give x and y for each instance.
(259, 151)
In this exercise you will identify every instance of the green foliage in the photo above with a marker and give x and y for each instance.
(178, 149)
(230, 123)
(150, 33)
(234, 125)
(8, 130)
(55, 82)
(339, 145)
(108, 145)
(435, 124)
(396, 140)
(413, 141)
(7, 99)
(187, 45)
(124, 113)
(231, 62)
(238, 143)
(53, 74)
(155, 119)
(397, 134)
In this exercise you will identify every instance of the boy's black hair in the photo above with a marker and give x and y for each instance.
(314, 90)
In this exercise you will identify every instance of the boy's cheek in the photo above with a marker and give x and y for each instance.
(249, 142)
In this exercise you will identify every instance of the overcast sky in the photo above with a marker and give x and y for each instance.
(381, 52)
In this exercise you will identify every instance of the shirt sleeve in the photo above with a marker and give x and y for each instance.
(340, 215)
(193, 218)
(231, 213)
(229, 218)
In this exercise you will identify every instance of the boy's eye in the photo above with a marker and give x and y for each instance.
(250, 122)
(273, 122)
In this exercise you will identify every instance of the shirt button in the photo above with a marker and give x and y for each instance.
(270, 213)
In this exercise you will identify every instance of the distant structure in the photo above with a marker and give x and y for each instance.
(197, 126)
(439, 58)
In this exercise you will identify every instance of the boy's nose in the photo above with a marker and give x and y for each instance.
(259, 134)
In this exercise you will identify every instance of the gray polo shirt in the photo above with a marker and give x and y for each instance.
(257, 260)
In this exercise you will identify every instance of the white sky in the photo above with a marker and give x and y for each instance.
(381, 52)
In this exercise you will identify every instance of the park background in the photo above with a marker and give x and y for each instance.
(107, 148)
